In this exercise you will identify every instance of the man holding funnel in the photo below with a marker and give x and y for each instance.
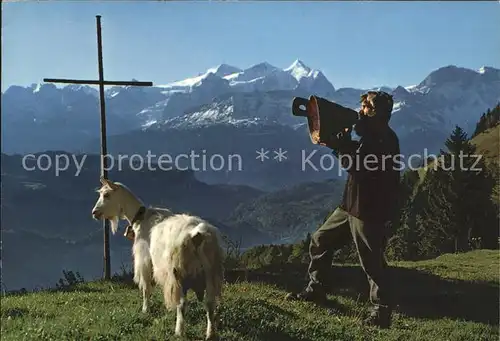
(370, 196)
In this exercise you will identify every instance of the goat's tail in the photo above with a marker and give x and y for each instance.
(182, 262)
(211, 256)
(199, 254)
(172, 289)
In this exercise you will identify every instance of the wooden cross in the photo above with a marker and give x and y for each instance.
(101, 82)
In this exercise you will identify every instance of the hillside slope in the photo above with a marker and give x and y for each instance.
(58, 231)
(488, 144)
(453, 297)
(289, 214)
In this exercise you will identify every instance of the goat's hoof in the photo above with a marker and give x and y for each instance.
(177, 337)
(211, 337)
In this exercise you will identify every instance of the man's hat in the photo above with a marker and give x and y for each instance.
(381, 102)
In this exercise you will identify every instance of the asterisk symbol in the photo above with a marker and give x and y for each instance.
(262, 154)
(280, 155)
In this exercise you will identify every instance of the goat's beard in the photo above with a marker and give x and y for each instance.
(114, 224)
(115, 220)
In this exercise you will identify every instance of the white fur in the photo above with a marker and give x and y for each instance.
(164, 250)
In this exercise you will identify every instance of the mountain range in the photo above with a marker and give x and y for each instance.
(227, 110)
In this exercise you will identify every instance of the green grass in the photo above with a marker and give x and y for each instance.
(453, 297)
(488, 143)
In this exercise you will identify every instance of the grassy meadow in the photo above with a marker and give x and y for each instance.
(453, 297)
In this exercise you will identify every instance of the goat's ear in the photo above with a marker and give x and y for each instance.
(197, 239)
(107, 182)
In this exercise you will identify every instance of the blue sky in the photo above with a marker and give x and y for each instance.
(168, 41)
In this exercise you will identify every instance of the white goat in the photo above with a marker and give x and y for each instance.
(179, 251)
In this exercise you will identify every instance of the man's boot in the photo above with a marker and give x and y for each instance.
(379, 317)
(318, 295)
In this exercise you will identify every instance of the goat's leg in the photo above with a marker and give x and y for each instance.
(144, 278)
(146, 295)
(180, 322)
(210, 310)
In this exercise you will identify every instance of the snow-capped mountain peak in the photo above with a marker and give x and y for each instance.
(185, 83)
(262, 93)
(489, 72)
(43, 87)
(449, 74)
(36, 87)
(258, 77)
(262, 67)
(211, 79)
(223, 70)
(310, 80)
(299, 70)
(487, 69)
(400, 91)
(252, 73)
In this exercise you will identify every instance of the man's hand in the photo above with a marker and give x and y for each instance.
(345, 136)
(340, 140)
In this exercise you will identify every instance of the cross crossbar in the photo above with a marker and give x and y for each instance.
(101, 82)
(96, 82)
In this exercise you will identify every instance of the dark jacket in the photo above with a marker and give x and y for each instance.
(372, 188)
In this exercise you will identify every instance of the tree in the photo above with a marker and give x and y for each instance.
(403, 245)
(458, 142)
(459, 197)
(300, 251)
(488, 120)
(480, 125)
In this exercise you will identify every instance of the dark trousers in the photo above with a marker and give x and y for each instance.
(370, 240)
